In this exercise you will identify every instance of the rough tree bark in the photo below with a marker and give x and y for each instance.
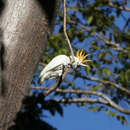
(25, 25)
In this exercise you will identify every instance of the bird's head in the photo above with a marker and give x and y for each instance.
(80, 59)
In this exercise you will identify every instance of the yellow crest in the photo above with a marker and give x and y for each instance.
(82, 56)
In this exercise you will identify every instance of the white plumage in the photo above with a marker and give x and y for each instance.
(56, 66)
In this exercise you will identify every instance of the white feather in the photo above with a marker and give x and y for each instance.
(55, 64)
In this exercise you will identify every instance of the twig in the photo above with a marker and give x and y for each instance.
(115, 45)
(66, 36)
(40, 88)
(107, 82)
(118, 7)
(82, 100)
(107, 41)
(101, 36)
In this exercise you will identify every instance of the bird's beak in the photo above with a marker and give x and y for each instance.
(84, 65)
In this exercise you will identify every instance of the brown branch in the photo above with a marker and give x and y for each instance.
(90, 100)
(82, 100)
(111, 4)
(65, 33)
(37, 87)
(108, 82)
(105, 100)
(57, 83)
(102, 100)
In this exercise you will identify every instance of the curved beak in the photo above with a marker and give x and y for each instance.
(84, 65)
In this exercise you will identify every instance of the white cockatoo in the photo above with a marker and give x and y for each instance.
(56, 66)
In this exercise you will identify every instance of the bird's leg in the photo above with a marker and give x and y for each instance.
(63, 69)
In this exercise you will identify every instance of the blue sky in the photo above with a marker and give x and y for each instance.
(80, 119)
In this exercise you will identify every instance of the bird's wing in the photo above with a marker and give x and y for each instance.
(55, 63)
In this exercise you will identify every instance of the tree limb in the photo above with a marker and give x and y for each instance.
(111, 4)
(106, 98)
(92, 101)
(108, 82)
(82, 100)
(102, 100)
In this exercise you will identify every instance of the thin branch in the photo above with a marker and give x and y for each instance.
(118, 7)
(66, 36)
(101, 36)
(40, 88)
(88, 92)
(126, 24)
(57, 83)
(82, 100)
(108, 82)
(106, 100)
(115, 45)
(102, 100)
(92, 101)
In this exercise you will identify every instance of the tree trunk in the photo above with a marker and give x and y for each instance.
(25, 25)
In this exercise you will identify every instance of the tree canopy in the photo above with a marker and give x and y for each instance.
(101, 27)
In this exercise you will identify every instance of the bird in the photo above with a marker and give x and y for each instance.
(56, 66)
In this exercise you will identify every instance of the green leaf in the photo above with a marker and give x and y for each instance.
(107, 72)
(122, 119)
(95, 109)
(122, 76)
(112, 114)
(97, 87)
(99, 72)
(127, 75)
(90, 19)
